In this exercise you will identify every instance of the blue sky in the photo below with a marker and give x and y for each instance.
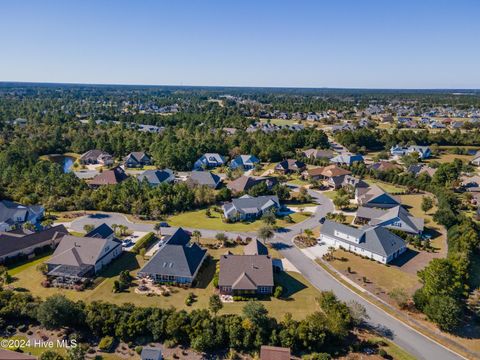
(343, 43)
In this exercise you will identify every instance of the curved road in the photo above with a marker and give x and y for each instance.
(406, 337)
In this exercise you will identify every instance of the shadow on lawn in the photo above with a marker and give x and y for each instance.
(404, 258)
(206, 273)
(280, 246)
(126, 261)
(290, 285)
(98, 216)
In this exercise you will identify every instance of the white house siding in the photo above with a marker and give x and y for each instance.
(336, 243)
(108, 258)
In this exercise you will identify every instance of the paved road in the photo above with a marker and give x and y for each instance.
(407, 338)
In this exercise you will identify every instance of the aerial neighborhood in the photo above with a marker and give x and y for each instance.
(243, 224)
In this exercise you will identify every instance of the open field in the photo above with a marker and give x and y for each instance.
(299, 296)
(280, 122)
(198, 219)
(447, 157)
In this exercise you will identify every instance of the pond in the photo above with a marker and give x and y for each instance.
(65, 161)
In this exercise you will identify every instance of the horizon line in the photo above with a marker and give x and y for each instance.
(233, 86)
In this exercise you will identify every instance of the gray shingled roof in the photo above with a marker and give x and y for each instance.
(245, 272)
(155, 177)
(368, 195)
(204, 178)
(8, 209)
(380, 216)
(102, 231)
(252, 205)
(375, 239)
(177, 257)
(255, 247)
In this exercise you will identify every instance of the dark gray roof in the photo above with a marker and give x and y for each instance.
(204, 178)
(177, 257)
(8, 209)
(245, 272)
(375, 239)
(13, 243)
(255, 247)
(381, 216)
(102, 231)
(249, 204)
(155, 177)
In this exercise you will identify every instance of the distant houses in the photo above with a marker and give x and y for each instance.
(96, 157)
(209, 161)
(137, 159)
(331, 175)
(374, 242)
(157, 177)
(109, 177)
(346, 159)
(476, 159)
(78, 258)
(247, 274)
(13, 214)
(245, 183)
(244, 162)
(177, 261)
(249, 208)
(423, 152)
(203, 178)
(290, 166)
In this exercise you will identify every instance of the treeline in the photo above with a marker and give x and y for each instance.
(203, 330)
(376, 139)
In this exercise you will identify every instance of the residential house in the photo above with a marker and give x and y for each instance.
(318, 154)
(15, 244)
(208, 161)
(247, 274)
(470, 183)
(350, 181)
(150, 353)
(384, 166)
(96, 157)
(244, 162)
(419, 169)
(375, 196)
(109, 177)
(137, 159)
(387, 118)
(289, 166)
(249, 207)
(374, 242)
(422, 151)
(274, 353)
(84, 257)
(13, 214)
(157, 177)
(346, 159)
(245, 183)
(177, 261)
(397, 218)
(331, 175)
(203, 178)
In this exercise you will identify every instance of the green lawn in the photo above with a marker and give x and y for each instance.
(386, 186)
(301, 295)
(384, 277)
(17, 268)
(32, 349)
(198, 219)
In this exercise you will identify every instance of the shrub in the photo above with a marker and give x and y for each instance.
(278, 292)
(383, 353)
(144, 242)
(106, 343)
(138, 349)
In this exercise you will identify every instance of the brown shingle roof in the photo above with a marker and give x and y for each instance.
(109, 177)
(329, 171)
(274, 353)
(244, 270)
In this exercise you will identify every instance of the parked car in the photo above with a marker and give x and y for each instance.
(322, 220)
(164, 224)
(127, 243)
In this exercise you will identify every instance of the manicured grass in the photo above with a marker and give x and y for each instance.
(395, 351)
(17, 268)
(301, 295)
(386, 186)
(383, 276)
(330, 194)
(299, 182)
(198, 219)
(280, 122)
